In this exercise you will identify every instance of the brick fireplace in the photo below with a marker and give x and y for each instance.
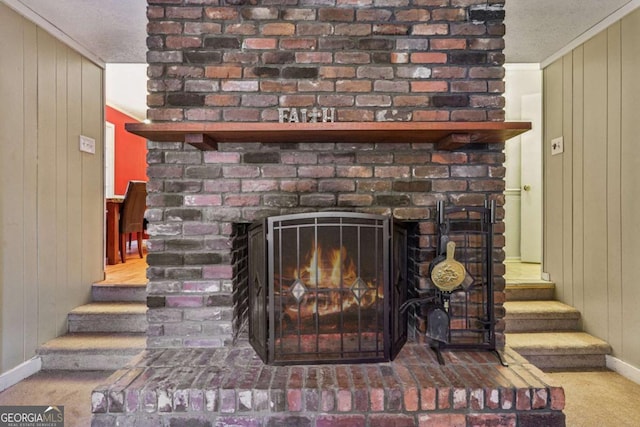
(409, 112)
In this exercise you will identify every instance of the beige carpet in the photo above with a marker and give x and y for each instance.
(598, 399)
(71, 389)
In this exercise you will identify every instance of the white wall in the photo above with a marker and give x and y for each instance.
(126, 89)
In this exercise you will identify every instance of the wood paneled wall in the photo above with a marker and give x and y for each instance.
(592, 190)
(51, 194)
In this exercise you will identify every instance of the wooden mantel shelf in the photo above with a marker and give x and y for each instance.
(446, 135)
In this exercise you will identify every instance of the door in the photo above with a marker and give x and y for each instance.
(531, 180)
(109, 159)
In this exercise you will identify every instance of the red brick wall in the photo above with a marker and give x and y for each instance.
(371, 60)
(196, 197)
(239, 60)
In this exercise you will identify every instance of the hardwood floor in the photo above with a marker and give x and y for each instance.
(133, 272)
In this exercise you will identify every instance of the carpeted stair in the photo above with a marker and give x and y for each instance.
(548, 333)
(104, 334)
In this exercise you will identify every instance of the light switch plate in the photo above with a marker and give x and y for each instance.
(557, 146)
(88, 145)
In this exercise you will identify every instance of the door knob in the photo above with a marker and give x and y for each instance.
(526, 187)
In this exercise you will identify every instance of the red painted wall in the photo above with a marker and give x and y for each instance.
(130, 152)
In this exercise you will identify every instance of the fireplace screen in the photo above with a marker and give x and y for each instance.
(326, 287)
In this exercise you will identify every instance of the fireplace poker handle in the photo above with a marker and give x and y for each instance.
(415, 301)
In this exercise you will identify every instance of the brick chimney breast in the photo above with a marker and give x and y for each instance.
(238, 61)
(404, 49)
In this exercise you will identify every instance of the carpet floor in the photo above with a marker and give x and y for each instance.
(599, 399)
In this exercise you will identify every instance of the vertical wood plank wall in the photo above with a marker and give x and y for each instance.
(630, 184)
(592, 190)
(51, 194)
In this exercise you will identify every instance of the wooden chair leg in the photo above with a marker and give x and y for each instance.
(139, 234)
(123, 247)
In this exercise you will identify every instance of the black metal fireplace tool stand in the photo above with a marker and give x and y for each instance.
(463, 317)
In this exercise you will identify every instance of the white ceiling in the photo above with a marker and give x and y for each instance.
(115, 32)
(536, 29)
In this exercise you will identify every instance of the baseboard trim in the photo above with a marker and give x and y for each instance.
(628, 371)
(20, 372)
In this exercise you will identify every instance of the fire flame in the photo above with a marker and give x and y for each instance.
(327, 269)
(335, 269)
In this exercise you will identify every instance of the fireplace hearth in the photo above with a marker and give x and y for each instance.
(326, 288)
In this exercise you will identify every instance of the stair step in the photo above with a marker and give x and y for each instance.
(132, 293)
(529, 291)
(87, 352)
(123, 317)
(560, 350)
(540, 316)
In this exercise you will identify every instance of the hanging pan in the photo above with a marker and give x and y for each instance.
(448, 274)
(441, 255)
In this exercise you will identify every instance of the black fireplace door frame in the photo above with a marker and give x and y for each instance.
(261, 284)
(258, 289)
